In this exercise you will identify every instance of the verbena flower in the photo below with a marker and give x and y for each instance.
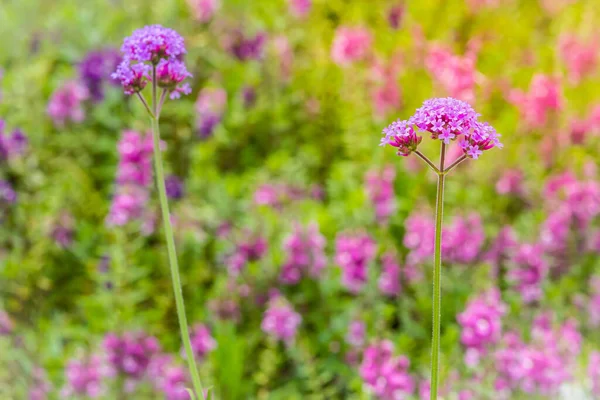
(86, 377)
(174, 186)
(528, 269)
(389, 280)
(446, 119)
(202, 341)
(385, 91)
(455, 74)
(579, 56)
(204, 10)
(394, 16)
(386, 375)
(168, 377)
(12, 144)
(354, 254)
(356, 335)
(66, 103)
(153, 47)
(7, 193)
(544, 97)
(463, 239)
(380, 189)
(511, 183)
(280, 320)
(245, 47)
(350, 44)
(252, 247)
(305, 254)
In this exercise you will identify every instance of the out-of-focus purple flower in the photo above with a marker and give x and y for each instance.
(6, 324)
(62, 233)
(350, 44)
(174, 187)
(280, 321)
(299, 8)
(356, 335)
(511, 182)
(594, 372)
(251, 248)
(95, 70)
(245, 47)
(86, 377)
(527, 271)
(285, 54)
(380, 189)
(425, 390)
(248, 96)
(168, 377)
(305, 248)
(401, 135)
(7, 193)
(481, 321)
(455, 74)
(580, 57)
(210, 108)
(385, 91)
(395, 15)
(130, 353)
(202, 342)
(153, 48)
(389, 281)
(384, 374)
(134, 177)
(419, 238)
(463, 240)
(204, 10)
(66, 103)
(354, 253)
(40, 386)
(544, 96)
(501, 248)
(11, 144)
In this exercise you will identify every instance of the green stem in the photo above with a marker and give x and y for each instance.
(176, 280)
(437, 278)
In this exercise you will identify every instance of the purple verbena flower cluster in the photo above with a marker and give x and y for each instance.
(386, 375)
(153, 49)
(463, 240)
(130, 354)
(168, 377)
(204, 10)
(86, 377)
(389, 280)
(11, 144)
(8, 195)
(354, 253)
(245, 47)
(210, 108)
(445, 119)
(174, 187)
(528, 270)
(202, 341)
(305, 248)
(251, 248)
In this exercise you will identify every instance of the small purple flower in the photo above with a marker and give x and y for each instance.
(153, 43)
(305, 248)
(395, 15)
(280, 321)
(13, 144)
(248, 96)
(210, 108)
(169, 378)
(62, 233)
(202, 342)
(251, 248)
(463, 240)
(66, 103)
(418, 239)
(481, 321)
(389, 281)
(384, 374)
(170, 74)
(299, 8)
(380, 189)
(204, 10)
(511, 182)
(95, 70)
(86, 377)
(402, 136)
(133, 78)
(174, 187)
(40, 387)
(7, 193)
(528, 270)
(354, 254)
(131, 353)
(357, 332)
(245, 48)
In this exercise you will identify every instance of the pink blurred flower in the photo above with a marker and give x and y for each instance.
(305, 248)
(511, 182)
(481, 321)
(350, 44)
(380, 189)
(354, 254)
(581, 58)
(66, 103)
(280, 320)
(455, 74)
(299, 8)
(384, 374)
(528, 271)
(204, 10)
(544, 97)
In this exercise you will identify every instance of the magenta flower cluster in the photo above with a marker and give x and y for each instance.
(210, 108)
(280, 321)
(528, 270)
(350, 44)
(305, 248)
(134, 177)
(299, 8)
(456, 74)
(130, 354)
(380, 189)
(66, 103)
(354, 254)
(169, 378)
(202, 341)
(95, 71)
(390, 279)
(153, 50)
(446, 119)
(481, 323)
(245, 47)
(86, 378)
(579, 56)
(251, 248)
(386, 375)
(204, 10)
(12, 144)
(536, 106)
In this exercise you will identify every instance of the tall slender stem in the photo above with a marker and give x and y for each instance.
(176, 280)
(437, 278)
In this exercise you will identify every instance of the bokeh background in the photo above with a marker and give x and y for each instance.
(305, 248)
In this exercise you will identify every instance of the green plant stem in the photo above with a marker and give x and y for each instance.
(437, 278)
(176, 280)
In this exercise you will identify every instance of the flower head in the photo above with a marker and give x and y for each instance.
(170, 74)
(153, 43)
(133, 78)
(204, 10)
(280, 320)
(350, 45)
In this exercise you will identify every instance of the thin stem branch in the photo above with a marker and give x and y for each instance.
(175, 278)
(163, 96)
(437, 278)
(455, 163)
(145, 104)
(428, 161)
